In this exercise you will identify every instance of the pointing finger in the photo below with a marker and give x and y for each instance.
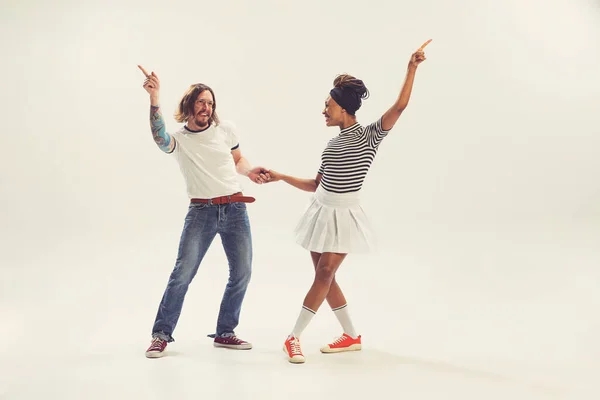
(144, 71)
(424, 44)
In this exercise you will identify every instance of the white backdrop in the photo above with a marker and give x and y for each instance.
(485, 196)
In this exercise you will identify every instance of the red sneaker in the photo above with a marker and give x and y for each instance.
(157, 348)
(232, 342)
(293, 350)
(343, 343)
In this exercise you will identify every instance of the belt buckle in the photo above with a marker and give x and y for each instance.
(209, 202)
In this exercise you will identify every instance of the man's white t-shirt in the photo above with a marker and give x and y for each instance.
(206, 162)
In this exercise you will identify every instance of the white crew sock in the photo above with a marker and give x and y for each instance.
(343, 316)
(306, 315)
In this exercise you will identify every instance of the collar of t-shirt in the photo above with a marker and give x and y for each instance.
(198, 131)
(350, 129)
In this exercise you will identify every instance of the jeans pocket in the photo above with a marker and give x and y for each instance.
(239, 205)
(197, 206)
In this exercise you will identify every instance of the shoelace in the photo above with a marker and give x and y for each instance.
(295, 347)
(339, 340)
(234, 339)
(156, 344)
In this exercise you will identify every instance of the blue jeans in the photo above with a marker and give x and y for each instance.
(202, 223)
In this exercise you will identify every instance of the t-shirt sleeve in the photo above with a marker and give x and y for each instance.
(231, 137)
(175, 139)
(375, 133)
(322, 165)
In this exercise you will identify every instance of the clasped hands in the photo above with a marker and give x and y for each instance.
(262, 175)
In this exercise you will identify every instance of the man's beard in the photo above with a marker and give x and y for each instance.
(201, 123)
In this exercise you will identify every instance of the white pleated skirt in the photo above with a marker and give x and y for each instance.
(334, 222)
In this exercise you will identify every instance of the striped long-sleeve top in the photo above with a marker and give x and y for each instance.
(348, 157)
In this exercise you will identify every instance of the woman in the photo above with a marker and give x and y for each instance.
(334, 224)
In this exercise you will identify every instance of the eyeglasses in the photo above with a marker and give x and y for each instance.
(208, 103)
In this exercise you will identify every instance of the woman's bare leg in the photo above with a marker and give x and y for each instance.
(335, 298)
(326, 265)
(325, 271)
(337, 301)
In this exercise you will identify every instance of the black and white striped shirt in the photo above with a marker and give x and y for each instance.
(348, 157)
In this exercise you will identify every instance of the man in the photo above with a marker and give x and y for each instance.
(209, 157)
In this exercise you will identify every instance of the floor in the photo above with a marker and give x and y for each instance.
(443, 324)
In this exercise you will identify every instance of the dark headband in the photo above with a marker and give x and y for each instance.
(347, 98)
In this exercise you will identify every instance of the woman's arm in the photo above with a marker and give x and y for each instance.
(391, 116)
(308, 185)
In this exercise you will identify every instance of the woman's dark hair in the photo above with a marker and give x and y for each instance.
(348, 92)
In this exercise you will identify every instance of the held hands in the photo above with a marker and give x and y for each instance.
(418, 56)
(259, 175)
(274, 175)
(262, 175)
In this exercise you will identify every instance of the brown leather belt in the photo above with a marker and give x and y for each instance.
(234, 198)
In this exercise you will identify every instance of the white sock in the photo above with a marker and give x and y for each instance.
(306, 315)
(344, 317)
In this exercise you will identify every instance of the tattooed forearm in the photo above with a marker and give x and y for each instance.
(159, 132)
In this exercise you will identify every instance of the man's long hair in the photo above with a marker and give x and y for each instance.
(185, 110)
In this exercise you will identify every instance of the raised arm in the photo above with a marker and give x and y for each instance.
(391, 116)
(157, 123)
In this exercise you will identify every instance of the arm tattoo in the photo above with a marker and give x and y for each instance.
(159, 132)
